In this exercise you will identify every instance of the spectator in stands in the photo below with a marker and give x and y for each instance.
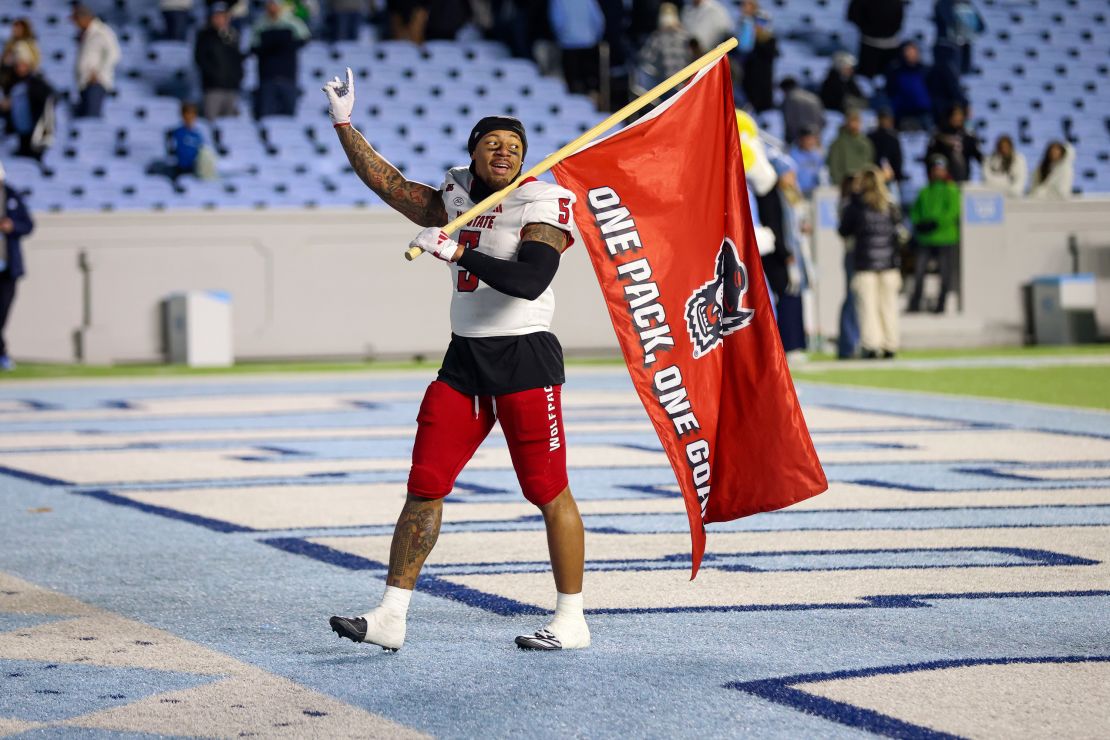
(840, 91)
(667, 49)
(27, 105)
(184, 143)
(578, 26)
(446, 18)
(407, 19)
(801, 110)
(758, 48)
(1006, 169)
(936, 222)
(15, 223)
(1054, 177)
(888, 147)
(908, 91)
(643, 20)
(790, 315)
(276, 39)
(958, 23)
(959, 146)
(945, 90)
(851, 152)
(880, 25)
(708, 22)
(98, 54)
(177, 16)
(219, 57)
(238, 10)
(847, 338)
(345, 17)
(22, 33)
(809, 159)
(872, 219)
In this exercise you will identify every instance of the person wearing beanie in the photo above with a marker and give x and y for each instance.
(15, 223)
(502, 365)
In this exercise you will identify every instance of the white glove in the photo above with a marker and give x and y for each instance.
(764, 240)
(793, 279)
(341, 98)
(433, 241)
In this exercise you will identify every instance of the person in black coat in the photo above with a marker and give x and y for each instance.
(888, 147)
(956, 144)
(15, 223)
(873, 220)
(218, 56)
(880, 24)
(27, 100)
(840, 91)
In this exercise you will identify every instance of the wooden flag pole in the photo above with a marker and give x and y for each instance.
(553, 159)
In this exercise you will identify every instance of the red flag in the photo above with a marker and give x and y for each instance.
(663, 210)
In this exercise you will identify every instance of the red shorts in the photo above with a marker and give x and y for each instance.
(450, 428)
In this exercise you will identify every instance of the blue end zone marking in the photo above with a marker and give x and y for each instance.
(35, 405)
(428, 584)
(875, 483)
(32, 477)
(782, 691)
(795, 561)
(366, 405)
(881, 601)
(213, 524)
(1009, 475)
(120, 405)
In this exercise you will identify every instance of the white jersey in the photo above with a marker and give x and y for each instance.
(478, 310)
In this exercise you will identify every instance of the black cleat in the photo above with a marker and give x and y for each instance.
(354, 629)
(541, 640)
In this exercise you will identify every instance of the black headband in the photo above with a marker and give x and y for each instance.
(497, 123)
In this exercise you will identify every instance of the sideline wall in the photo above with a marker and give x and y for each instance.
(1006, 243)
(303, 284)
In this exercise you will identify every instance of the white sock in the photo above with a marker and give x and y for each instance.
(396, 600)
(568, 606)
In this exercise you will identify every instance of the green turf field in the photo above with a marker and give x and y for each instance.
(1065, 385)
(934, 371)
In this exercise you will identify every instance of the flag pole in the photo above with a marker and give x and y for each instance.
(553, 159)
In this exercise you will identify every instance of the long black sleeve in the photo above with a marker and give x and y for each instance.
(527, 277)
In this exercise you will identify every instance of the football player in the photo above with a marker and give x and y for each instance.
(503, 364)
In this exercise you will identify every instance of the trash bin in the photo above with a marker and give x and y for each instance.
(198, 329)
(1064, 309)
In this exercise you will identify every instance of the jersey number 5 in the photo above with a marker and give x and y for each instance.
(468, 283)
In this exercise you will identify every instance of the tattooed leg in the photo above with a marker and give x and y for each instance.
(414, 537)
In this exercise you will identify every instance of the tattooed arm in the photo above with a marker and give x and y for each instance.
(417, 202)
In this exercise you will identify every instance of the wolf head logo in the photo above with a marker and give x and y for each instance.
(714, 311)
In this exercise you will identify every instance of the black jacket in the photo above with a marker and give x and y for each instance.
(888, 147)
(875, 232)
(38, 93)
(959, 147)
(17, 211)
(219, 59)
(877, 18)
(835, 89)
(277, 54)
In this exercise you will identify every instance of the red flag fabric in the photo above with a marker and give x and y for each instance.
(663, 211)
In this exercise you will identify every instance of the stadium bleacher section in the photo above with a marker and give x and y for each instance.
(1041, 73)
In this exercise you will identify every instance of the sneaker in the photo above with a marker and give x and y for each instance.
(379, 627)
(557, 636)
(7, 364)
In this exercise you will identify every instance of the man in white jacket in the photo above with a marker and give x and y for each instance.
(97, 56)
